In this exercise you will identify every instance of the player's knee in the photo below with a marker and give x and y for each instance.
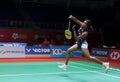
(67, 52)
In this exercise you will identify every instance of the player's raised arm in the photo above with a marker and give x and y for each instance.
(75, 20)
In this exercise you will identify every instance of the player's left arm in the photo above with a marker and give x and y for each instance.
(74, 32)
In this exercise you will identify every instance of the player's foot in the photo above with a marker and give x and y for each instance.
(106, 66)
(64, 67)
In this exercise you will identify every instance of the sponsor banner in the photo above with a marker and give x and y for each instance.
(59, 51)
(114, 55)
(100, 52)
(12, 52)
(78, 53)
(36, 50)
(13, 44)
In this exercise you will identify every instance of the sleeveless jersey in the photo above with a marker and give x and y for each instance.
(80, 41)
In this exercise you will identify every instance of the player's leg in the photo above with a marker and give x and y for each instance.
(87, 54)
(71, 49)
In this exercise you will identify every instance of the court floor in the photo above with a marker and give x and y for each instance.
(78, 71)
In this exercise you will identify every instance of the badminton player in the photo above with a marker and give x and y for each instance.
(81, 43)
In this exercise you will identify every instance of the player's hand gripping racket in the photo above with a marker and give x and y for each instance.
(68, 33)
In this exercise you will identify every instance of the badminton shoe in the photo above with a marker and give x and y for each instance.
(64, 67)
(106, 66)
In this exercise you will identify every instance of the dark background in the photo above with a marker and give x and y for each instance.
(34, 14)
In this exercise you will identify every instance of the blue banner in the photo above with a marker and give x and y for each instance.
(59, 51)
(37, 50)
(102, 52)
(77, 53)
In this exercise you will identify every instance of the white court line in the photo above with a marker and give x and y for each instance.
(25, 63)
(86, 65)
(117, 70)
(11, 75)
(94, 71)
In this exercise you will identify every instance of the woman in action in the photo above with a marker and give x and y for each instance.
(81, 43)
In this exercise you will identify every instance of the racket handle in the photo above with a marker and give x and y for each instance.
(69, 24)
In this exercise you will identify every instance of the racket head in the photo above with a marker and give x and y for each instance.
(68, 34)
